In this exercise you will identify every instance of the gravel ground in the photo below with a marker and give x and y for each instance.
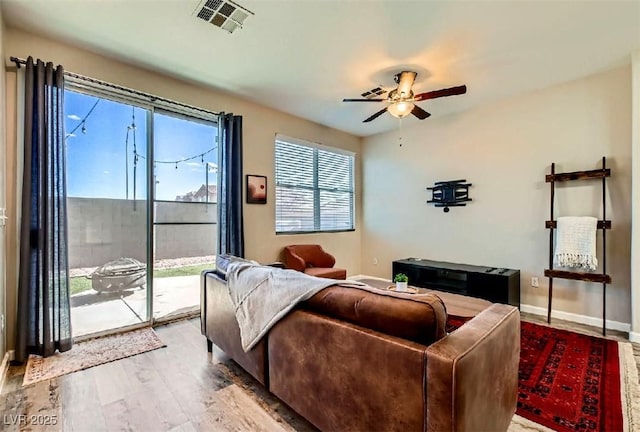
(159, 264)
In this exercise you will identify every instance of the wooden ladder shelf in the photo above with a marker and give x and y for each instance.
(603, 225)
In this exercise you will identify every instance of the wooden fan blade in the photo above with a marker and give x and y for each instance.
(419, 112)
(441, 93)
(375, 116)
(363, 100)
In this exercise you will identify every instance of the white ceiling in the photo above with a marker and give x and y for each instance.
(303, 57)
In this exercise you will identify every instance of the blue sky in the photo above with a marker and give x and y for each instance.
(96, 161)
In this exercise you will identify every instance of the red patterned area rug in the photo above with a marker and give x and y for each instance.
(573, 382)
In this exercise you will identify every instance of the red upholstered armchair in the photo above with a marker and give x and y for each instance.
(312, 260)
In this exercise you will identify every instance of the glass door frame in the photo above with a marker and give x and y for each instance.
(151, 105)
(151, 187)
(188, 117)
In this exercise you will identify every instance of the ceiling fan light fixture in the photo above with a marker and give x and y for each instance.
(400, 101)
(400, 109)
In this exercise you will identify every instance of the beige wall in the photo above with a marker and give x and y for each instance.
(260, 127)
(11, 240)
(3, 158)
(634, 336)
(505, 150)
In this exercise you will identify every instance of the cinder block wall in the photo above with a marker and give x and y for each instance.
(101, 230)
(177, 241)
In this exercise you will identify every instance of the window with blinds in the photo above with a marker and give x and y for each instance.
(314, 187)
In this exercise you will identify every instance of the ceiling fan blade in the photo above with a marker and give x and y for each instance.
(419, 112)
(375, 116)
(363, 100)
(441, 93)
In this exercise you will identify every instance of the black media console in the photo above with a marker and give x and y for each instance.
(498, 285)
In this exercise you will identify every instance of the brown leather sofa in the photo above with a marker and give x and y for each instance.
(312, 260)
(351, 360)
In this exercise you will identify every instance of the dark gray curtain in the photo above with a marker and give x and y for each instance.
(44, 322)
(230, 220)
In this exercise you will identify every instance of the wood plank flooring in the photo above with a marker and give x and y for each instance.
(179, 388)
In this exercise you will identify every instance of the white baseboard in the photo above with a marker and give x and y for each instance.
(4, 368)
(361, 276)
(581, 319)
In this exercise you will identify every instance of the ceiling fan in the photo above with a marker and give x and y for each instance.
(402, 100)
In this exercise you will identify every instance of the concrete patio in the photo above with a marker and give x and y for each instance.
(92, 312)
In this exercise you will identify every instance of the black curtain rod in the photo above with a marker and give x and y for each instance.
(19, 62)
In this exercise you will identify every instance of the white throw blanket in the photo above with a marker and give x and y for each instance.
(576, 243)
(262, 295)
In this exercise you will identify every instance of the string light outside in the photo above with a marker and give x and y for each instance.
(132, 127)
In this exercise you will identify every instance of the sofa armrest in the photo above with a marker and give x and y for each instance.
(322, 258)
(220, 326)
(293, 260)
(203, 300)
(472, 374)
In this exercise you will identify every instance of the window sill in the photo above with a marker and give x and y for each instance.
(313, 232)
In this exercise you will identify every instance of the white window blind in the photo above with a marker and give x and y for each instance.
(314, 187)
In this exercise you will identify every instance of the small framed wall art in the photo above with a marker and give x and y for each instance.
(256, 189)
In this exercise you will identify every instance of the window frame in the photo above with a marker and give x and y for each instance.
(316, 187)
(148, 101)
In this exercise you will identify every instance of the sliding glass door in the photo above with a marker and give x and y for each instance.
(185, 170)
(107, 212)
(141, 191)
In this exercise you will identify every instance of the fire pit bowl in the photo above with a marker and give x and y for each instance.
(119, 275)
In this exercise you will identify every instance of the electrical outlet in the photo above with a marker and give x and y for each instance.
(534, 282)
(375, 260)
(1, 322)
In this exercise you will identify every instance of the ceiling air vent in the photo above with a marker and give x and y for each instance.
(222, 13)
(374, 92)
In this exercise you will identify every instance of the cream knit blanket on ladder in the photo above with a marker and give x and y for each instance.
(576, 243)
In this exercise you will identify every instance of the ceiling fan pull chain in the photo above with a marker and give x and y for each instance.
(400, 133)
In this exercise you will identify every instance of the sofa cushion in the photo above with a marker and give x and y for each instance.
(419, 318)
(330, 272)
